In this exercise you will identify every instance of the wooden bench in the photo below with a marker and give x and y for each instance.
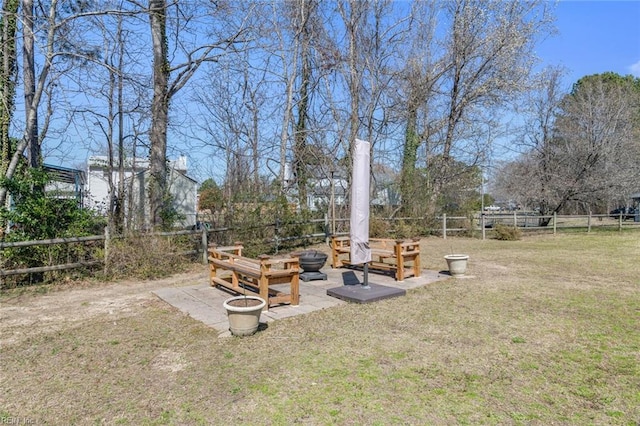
(229, 269)
(401, 257)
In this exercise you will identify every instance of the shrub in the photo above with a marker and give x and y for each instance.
(378, 228)
(37, 215)
(507, 233)
(146, 256)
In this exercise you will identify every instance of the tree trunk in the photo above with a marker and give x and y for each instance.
(119, 208)
(8, 31)
(352, 22)
(300, 150)
(159, 114)
(29, 77)
(409, 156)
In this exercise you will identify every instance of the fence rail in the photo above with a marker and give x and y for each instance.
(531, 222)
(4, 245)
(483, 223)
(106, 237)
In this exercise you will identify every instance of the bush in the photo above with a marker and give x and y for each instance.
(37, 215)
(507, 233)
(147, 256)
(378, 228)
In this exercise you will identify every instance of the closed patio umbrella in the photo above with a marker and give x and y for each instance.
(359, 220)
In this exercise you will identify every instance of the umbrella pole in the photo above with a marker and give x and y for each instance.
(365, 282)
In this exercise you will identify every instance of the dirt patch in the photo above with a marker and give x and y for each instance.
(29, 314)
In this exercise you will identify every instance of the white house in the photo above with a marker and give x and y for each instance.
(184, 193)
(182, 188)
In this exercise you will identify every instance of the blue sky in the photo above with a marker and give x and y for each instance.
(594, 37)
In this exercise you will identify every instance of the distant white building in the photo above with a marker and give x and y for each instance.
(182, 188)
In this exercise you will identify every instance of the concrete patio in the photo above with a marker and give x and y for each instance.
(204, 303)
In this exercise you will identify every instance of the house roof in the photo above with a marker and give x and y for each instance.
(65, 174)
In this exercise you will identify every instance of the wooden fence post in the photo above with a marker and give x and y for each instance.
(555, 222)
(589, 222)
(444, 226)
(620, 222)
(482, 223)
(326, 227)
(203, 243)
(106, 250)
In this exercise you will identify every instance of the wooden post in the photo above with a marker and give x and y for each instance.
(444, 226)
(589, 222)
(620, 222)
(397, 249)
(106, 250)
(203, 244)
(326, 226)
(555, 221)
(483, 223)
(263, 282)
(333, 205)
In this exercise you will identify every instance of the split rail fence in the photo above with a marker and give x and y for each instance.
(449, 225)
(485, 223)
(103, 260)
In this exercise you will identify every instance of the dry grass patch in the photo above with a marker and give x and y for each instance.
(545, 330)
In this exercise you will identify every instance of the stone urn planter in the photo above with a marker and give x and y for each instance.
(244, 314)
(457, 264)
(312, 260)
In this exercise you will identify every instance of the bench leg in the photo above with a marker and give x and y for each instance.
(416, 266)
(400, 263)
(264, 291)
(295, 290)
(335, 257)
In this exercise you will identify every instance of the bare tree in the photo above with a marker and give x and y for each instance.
(288, 58)
(159, 112)
(381, 43)
(580, 148)
(598, 153)
(353, 13)
(169, 78)
(56, 28)
(33, 94)
(305, 10)
(421, 71)
(544, 106)
(29, 80)
(232, 110)
(455, 82)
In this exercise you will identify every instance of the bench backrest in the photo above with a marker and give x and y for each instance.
(230, 255)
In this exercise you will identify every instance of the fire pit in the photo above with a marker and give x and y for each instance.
(311, 261)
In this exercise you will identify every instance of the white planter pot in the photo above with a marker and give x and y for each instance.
(457, 264)
(244, 314)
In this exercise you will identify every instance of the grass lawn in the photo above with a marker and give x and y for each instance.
(545, 330)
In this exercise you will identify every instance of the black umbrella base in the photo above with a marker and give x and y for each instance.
(311, 276)
(360, 294)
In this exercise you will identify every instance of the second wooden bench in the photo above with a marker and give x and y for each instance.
(401, 257)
